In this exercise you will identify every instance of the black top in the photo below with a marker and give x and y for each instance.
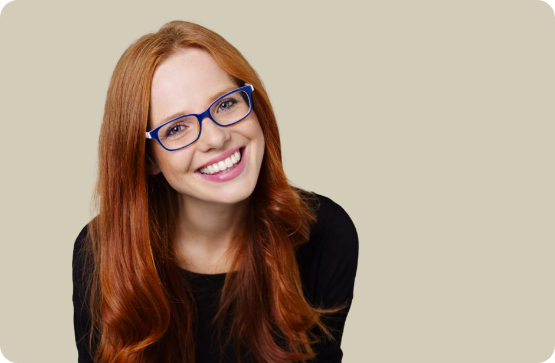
(327, 264)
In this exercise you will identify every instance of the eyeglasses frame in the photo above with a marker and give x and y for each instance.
(153, 134)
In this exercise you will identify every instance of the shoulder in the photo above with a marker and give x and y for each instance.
(81, 263)
(81, 238)
(80, 247)
(328, 261)
(334, 232)
(333, 219)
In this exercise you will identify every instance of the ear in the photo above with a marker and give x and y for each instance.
(152, 166)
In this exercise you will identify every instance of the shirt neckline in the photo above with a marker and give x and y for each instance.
(208, 275)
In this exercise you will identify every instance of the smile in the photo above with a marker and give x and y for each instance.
(222, 166)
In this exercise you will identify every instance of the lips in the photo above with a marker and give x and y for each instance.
(231, 173)
(222, 156)
(223, 166)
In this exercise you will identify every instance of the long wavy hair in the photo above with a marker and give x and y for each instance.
(141, 303)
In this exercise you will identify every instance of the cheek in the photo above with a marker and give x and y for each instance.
(257, 129)
(261, 137)
(260, 145)
(172, 163)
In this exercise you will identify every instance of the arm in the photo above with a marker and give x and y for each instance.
(330, 261)
(81, 316)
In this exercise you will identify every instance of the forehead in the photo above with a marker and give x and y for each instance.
(185, 83)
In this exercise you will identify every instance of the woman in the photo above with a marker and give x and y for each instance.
(202, 250)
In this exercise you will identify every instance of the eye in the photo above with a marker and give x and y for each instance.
(175, 130)
(226, 105)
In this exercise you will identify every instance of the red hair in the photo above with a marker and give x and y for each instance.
(141, 303)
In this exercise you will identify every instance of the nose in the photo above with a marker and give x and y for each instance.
(212, 136)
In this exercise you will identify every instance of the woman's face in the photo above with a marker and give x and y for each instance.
(188, 82)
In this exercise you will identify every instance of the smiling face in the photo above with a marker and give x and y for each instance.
(188, 82)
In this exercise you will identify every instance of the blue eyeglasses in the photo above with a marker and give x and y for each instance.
(185, 130)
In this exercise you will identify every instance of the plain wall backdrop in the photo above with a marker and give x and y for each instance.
(430, 122)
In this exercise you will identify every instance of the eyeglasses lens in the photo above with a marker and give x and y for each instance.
(179, 133)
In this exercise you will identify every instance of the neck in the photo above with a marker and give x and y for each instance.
(204, 233)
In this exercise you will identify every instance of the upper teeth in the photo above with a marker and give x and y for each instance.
(222, 165)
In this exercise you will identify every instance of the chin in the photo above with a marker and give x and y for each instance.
(223, 194)
(233, 195)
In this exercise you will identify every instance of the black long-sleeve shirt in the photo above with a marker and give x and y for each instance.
(327, 264)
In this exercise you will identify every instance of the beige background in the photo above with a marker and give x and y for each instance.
(430, 122)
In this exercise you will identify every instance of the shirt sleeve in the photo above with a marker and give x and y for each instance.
(335, 273)
(81, 316)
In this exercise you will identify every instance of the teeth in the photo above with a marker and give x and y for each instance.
(222, 165)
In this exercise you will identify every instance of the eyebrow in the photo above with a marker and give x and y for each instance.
(214, 97)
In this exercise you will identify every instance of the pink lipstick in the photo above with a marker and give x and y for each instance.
(231, 174)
